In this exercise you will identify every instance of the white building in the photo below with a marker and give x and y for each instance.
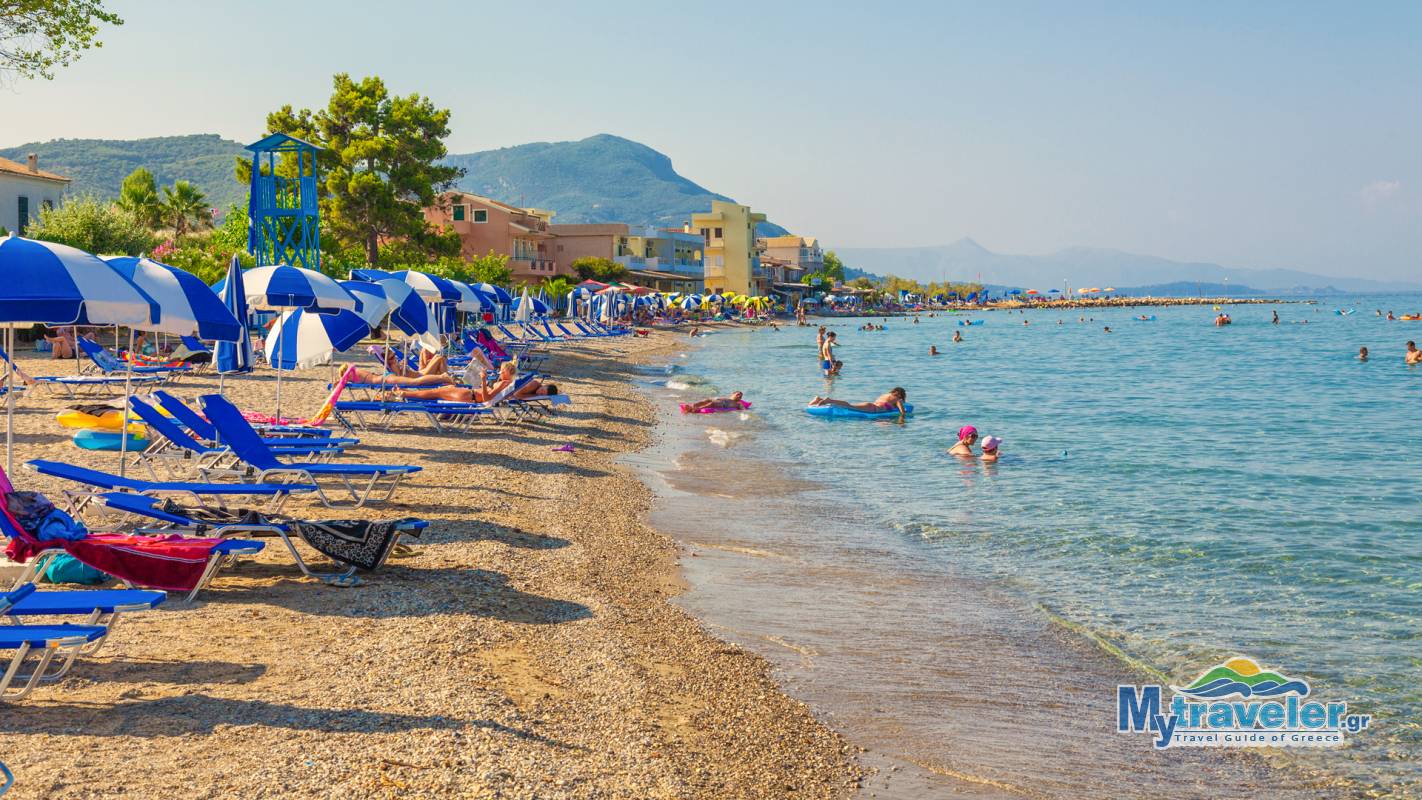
(24, 190)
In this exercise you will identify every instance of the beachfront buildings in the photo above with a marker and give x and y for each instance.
(488, 226)
(731, 253)
(659, 258)
(802, 251)
(24, 190)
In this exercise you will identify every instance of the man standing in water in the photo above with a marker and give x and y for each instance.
(1414, 356)
(827, 359)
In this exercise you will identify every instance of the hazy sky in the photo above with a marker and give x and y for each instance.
(1272, 135)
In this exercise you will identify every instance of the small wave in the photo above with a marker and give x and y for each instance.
(722, 437)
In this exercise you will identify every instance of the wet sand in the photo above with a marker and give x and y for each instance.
(529, 648)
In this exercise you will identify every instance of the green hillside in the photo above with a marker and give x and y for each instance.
(98, 166)
(602, 178)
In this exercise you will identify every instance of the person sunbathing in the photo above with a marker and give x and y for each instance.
(893, 399)
(486, 391)
(359, 375)
(732, 402)
(430, 363)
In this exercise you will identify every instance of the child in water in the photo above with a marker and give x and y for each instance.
(1362, 354)
(990, 446)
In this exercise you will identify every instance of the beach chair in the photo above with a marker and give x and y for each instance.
(365, 483)
(100, 607)
(209, 495)
(171, 563)
(74, 386)
(354, 544)
(172, 442)
(39, 652)
(110, 365)
(443, 415)
(203, 429)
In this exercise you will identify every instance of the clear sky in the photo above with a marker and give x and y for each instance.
(1251, 134)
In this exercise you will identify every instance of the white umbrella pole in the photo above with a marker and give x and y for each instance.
(127, 399)
(276, 365)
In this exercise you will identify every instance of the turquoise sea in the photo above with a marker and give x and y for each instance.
(1171, 494)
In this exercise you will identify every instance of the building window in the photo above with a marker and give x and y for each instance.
(481, 215)
(47, 204)
(718, 233)
(24, 203)
(459, 213)
(560, 248)
(706, 234)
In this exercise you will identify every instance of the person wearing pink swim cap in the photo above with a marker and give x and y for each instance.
(967, 436)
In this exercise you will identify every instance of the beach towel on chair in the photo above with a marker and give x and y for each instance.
(359, 543)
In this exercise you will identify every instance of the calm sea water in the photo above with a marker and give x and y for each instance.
(1178, 491)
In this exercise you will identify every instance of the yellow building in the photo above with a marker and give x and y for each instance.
(731, 255)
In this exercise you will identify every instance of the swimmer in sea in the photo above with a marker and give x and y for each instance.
(734, 401)
(1362, 354)
(827, 354)
(888, 401)
(967, 435)
(1414, 356)
(1390, 316)
(1276, 317)
(990, 448)
(1108, 328)
(957, 336)
(933, 349)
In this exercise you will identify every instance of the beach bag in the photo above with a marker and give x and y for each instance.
(64, 568)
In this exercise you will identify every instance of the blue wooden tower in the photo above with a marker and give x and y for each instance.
(284, 219)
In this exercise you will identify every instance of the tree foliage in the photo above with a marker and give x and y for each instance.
(93, 226)
(595, 268)
(380, 163)
(185, 208)
(139, 196)
(833, 267)
(492, 268)
(36, 36)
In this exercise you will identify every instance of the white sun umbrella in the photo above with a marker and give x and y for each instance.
(374, 303)
(304, 339)
(56, 284)
(410, 314)
(524, 310)
(468, 297)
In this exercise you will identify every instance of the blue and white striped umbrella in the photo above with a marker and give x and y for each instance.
(432, 288)
(499, 293)
(186, 306)
(536, 307)
(409, 313)
(715, 298)
(374, 304)
(690, 302)
(371, 275)
(301, 339)
(235, 356)
(61, 285)
(469, 299)
(284, 286)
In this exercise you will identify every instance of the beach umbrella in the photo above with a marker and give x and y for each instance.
(374, 304)
(432, 288)
(409, 314)
(499, 293)
(283, 286)
(56, 284)
(1109, 289)
(302, 339)
(187, 307)
(1054, 291)
(234, 356)
(1033, 291)
(716, 298)
(370, 275)
(469, 299)
(690, 302)
(539, 307)
(524, 310)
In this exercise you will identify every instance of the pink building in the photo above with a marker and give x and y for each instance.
(485, 225)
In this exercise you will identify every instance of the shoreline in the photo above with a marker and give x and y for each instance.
(530, 648)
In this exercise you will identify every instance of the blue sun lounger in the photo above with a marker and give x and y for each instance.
(178, 520)
(48, 650)
(263, 464)
(208, 495)
(76, 385)
(109, 364)
(195, 422)
(174, 442)
(100, 607)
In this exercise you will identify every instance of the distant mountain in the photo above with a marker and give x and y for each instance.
(602, 178)
(98, 166)
(1086, 266)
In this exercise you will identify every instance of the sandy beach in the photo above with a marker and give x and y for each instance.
(527, 649)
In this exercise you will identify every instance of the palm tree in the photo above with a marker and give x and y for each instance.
(139, 196)
(557, 289)
(186, 207)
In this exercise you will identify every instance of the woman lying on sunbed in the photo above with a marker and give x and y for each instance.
(460, 394)
(432, 371)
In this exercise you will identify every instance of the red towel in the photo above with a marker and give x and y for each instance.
(173, 563)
